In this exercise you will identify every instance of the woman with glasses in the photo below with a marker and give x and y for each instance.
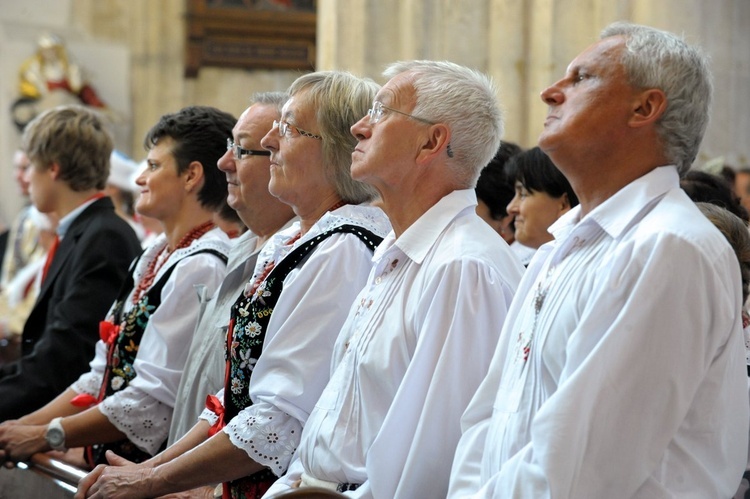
(283, 326)
(124, 403)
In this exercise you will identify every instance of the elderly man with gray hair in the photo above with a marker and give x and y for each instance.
(419, 337)
(621, 368)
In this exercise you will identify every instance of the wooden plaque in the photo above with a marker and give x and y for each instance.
(250, 34)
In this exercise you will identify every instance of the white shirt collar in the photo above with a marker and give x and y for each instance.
(417, 240)
(65, 222)
(618, 212)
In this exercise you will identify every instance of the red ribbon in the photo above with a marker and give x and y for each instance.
(84, 400)
(108, 331)
(50, 256)
(215, 405)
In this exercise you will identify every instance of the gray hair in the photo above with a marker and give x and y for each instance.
(340, 99)
(465, 100)
(658, 59)
(275, 99)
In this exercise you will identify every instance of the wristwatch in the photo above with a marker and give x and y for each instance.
(55, 435)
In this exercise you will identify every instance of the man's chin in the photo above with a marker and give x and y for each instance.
(234, 203)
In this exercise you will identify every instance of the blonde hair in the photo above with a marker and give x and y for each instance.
(340, 99)
(75, 138)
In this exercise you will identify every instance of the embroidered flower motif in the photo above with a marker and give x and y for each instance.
(117, 382)
(253, 329)
(247, 362)
(131, 347)
(235, 344)
(269, 441)
(237, 386)
(243, 311)
(144, 307)
(274, 440)
(261, 292)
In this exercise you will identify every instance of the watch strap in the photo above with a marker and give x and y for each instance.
(55, 435)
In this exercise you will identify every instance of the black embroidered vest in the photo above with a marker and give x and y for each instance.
(245, 336)
(122, 352)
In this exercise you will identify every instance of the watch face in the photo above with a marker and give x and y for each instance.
(55, 437)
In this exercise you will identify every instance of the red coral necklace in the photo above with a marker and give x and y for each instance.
(163, 255)
(270, 264)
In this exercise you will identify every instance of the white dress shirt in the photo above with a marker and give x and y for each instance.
(294, 365)
(635, 382)
(523, 253)
(205, 367)
(203, 373)
(417, 343)
(143, 410)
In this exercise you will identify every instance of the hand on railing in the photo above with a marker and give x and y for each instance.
(121, 478)
(18, 442)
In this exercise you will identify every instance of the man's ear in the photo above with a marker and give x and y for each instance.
(54, 169)
(648, 107)
(437, 142)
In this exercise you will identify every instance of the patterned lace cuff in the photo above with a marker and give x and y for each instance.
(268, 437)
(209, 416)
(89, 383)
(143, 419)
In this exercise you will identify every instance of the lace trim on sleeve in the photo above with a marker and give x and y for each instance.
(143, 419)
(89, 383)
(268, 436)
(210, 415)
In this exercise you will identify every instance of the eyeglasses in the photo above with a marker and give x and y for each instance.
(376, 112)
(240, 153)
(377, 109)
(284, 127)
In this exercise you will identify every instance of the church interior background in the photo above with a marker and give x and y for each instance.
(145, 58)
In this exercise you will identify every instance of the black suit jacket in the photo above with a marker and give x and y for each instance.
(59, 336)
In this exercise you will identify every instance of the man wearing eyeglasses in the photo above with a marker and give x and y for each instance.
(247, 168)
(419, 337)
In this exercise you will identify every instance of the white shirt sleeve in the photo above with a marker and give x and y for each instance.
(294, 366)
(143, 410)
(210, 415)
(666, 319)
(462, 311)
(466, 470)
(90, 382)
(285, 482)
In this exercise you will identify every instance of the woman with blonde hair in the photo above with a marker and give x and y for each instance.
(283, 326)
